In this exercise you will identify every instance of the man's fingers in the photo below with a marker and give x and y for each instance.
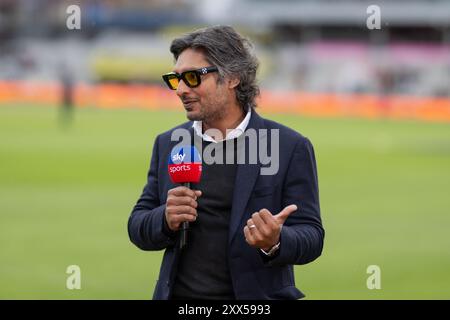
(248, 236)
(184, 191)
(181, 206)
(260, 224)
(182, 200)
(268, 218)
(284, 214)
(179, 219)
(180, 210)
(185, 217)
(181, 191)
(255, 227)
(250, 224)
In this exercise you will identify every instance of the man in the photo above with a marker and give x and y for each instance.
(247, 229)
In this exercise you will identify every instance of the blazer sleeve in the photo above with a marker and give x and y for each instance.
(147, 227)
(302, 235)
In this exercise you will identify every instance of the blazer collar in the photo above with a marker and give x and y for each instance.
(246, 176)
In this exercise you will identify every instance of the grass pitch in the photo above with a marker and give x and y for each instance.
(66, 193)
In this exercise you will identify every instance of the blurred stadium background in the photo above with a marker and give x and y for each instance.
(375, 103)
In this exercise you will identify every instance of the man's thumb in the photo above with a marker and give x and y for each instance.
(284, 214)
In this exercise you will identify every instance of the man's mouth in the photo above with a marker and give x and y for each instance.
(188, 104)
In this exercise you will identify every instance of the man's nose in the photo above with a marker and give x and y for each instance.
(182, 88)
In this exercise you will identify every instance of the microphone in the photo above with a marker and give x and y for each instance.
(185, 167)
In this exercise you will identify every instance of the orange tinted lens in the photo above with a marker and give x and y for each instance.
(173, 82)
(191, 78)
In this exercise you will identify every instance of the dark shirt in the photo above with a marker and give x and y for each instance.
(203, 269)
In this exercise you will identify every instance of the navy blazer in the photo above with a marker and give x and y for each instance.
(253, 276)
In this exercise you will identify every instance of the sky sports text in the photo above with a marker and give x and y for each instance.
(263, 148)
(178, 157)
(177, 168)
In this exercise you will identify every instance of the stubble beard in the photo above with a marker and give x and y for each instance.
(212, 112)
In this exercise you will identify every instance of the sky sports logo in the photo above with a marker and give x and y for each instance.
(179, 157)
(185, 164)
(184, 155)
(178, 168)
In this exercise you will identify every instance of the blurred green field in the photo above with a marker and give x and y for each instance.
(66, 194)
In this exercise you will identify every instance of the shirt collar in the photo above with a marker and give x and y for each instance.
(232, 134)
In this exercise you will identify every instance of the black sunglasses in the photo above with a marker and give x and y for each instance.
(191, 77)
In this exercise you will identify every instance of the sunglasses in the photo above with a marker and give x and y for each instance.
(192, 78)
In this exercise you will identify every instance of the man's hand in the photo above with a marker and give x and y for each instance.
(263, 229)
(181, 205)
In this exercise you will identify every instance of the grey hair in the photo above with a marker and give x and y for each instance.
(230, 53)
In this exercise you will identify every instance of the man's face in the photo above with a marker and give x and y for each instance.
(207, 102)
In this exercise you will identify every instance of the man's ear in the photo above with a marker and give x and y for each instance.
(233, 82)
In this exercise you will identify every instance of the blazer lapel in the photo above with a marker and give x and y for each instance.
(246, 176)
